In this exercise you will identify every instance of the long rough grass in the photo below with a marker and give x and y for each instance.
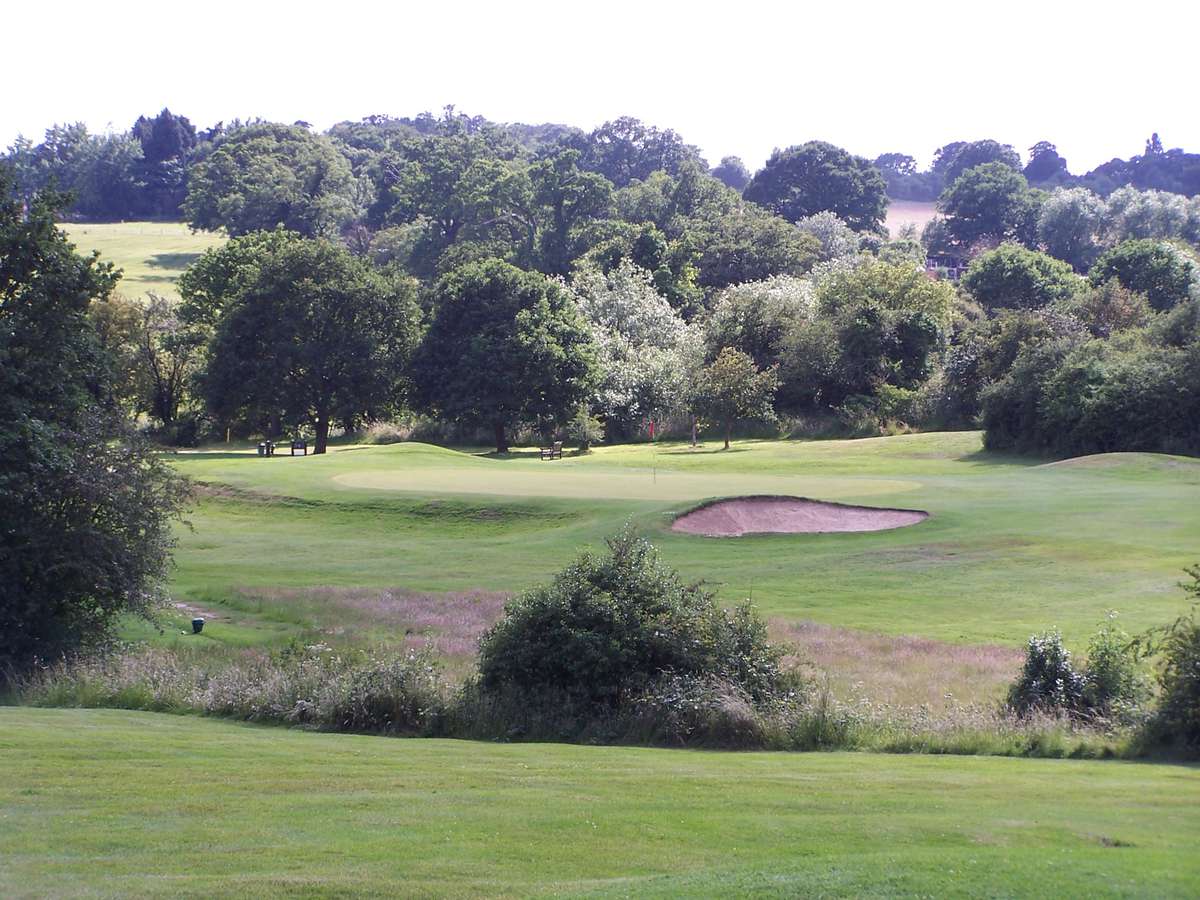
(403, 694)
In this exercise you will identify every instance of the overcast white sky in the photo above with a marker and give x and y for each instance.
(736, 77)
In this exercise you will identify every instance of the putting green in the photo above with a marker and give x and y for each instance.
(519, 479)
(1011, 547)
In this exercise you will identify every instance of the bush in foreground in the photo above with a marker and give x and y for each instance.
(608, 626)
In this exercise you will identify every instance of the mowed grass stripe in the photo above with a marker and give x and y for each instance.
(117, 803)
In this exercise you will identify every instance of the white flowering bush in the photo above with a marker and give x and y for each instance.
(647, 352)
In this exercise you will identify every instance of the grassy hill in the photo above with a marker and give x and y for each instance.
(151, 254)
(106, 803)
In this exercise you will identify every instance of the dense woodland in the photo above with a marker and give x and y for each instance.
(475, 281)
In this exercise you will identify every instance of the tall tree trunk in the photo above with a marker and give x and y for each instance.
(728, 431)
(501, 438)
(322, 440)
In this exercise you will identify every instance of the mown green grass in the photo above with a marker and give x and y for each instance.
(132, 804)
(1012, 546)
(152, 255)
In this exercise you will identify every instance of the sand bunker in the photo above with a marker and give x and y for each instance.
(790, 515)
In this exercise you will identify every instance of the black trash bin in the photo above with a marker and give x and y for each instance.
(197, 625)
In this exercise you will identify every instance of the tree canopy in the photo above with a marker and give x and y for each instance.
(505, 347)
(85, 508)
(262, 176)
(313, 336)
(818, 177)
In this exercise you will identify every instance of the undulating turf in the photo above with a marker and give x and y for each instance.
(152, 255)
(1012, 546)
(130, 804)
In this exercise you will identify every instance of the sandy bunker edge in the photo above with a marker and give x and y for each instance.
(765, 514)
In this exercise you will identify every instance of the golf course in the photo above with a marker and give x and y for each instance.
(421, 476)
(1011, 546)
(106, 803)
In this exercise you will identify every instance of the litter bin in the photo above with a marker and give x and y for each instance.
(262, 449)
(197, 626)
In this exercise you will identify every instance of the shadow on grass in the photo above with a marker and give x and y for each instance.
(172, 260)
(992, 458)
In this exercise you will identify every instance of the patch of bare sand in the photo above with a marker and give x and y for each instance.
(790, 515)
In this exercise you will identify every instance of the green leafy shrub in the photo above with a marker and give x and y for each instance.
(608, 626)
(1113, 685)
(1098, 397)
(1048, 679)
(1177, 722)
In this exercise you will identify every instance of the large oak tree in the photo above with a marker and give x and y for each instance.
(310, 335)
(505, 347)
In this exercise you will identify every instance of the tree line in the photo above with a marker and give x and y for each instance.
(543, 279)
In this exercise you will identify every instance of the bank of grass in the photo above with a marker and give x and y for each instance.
(135, 804)
(1012, 546)
(152, 255)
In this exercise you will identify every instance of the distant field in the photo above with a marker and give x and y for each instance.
(905, 212)
(108, 803)
(151, 254)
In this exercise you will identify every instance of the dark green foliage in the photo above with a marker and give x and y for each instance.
(1113, 683)
(877, 323)
(1156, 169)
(1109, 309)
(1095, 398)
(1109, 686)
(733, 388)
(627, 149)
(168, 142)
(262, 176)
(505, 347)
(1014, 277)
(1157, 270)
(732, 173)
(1178, 718)
(1045, 165)
(608, 627)
(1048, 679)
(84, 506)
(748, 245)
(306, 335)
(904, 182)
(951, 161)
(990, 201)
(814, 177)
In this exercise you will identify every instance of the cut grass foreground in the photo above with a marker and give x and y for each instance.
(152, 255)
(1011, 547)
(108, 803)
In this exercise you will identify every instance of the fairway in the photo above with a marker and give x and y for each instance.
(1010, 547)
(151, 255)
(117, 803)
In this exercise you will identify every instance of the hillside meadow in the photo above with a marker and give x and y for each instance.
(151, 255)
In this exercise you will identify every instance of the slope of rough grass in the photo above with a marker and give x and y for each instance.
(1011, 546)
(134, 804)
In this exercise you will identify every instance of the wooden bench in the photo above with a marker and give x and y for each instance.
(302, 446)
(554, 451)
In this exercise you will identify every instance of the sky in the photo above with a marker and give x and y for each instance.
(734, 78)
